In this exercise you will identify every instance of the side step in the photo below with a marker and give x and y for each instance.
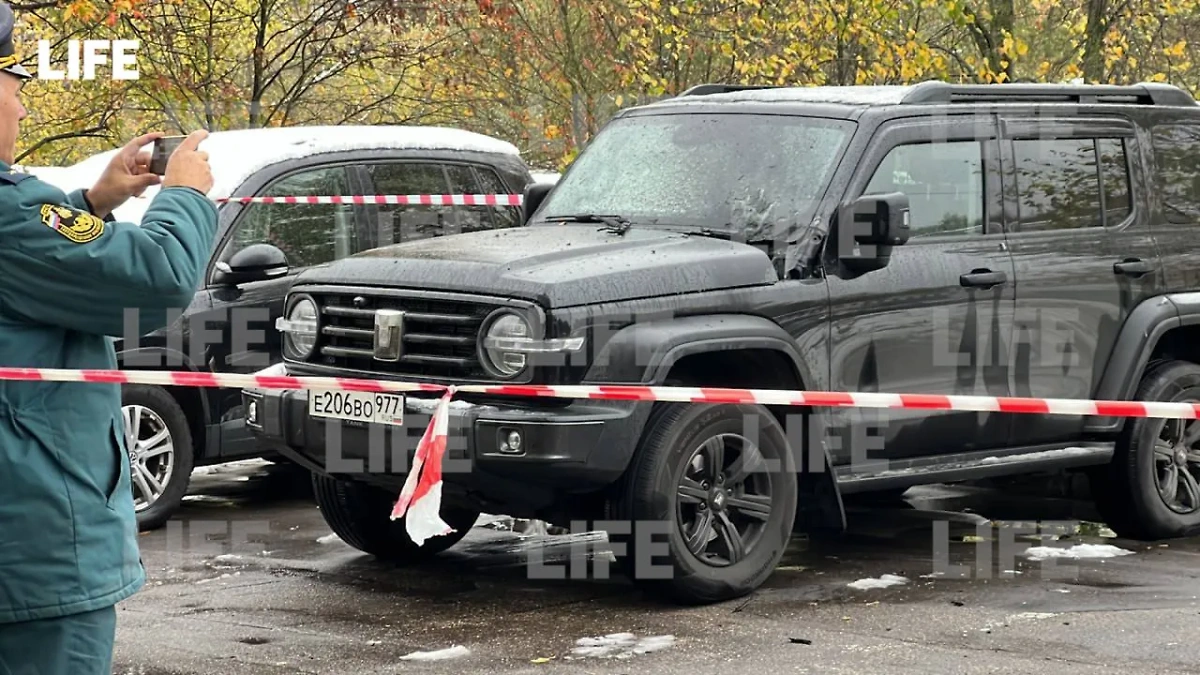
(901, 473)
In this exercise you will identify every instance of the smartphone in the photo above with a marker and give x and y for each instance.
(163, 147)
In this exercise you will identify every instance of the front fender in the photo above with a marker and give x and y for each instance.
(644, 352)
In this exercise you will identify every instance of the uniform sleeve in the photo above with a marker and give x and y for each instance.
(62, 266)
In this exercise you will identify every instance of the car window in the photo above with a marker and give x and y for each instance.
(1114, 171)
(464, 180)
(309, 234)
(1062, 184)
(398, 223)
(943, 182)
(490, 184)
(1176, 147)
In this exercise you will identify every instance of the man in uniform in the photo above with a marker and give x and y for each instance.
(69, 274)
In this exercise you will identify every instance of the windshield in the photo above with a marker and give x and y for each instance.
(754, 175)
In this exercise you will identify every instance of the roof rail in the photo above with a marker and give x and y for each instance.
(1146, 93)
(705, 89)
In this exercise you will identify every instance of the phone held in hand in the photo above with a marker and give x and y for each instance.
(163, 147)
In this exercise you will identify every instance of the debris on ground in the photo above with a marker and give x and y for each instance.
(438, 654)
(619, 645)
(882, 582)
(1078, 551)
(800, 641)
(329, 539)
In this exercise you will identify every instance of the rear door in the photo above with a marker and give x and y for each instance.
(1083, 251)
(938, 318)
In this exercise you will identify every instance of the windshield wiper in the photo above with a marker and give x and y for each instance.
(612, 223)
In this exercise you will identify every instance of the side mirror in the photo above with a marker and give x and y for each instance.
(257, 262)
(869, 227)
(534, 195)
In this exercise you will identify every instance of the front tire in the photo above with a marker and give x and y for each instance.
(728, 502)
(360, 515)
(1151, 490)
(161, 456)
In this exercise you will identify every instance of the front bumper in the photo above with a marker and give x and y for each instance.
(566, 446)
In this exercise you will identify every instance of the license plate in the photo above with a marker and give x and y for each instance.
(356, 406)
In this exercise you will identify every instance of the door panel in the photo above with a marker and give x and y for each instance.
(919, 326)
(1083, 253)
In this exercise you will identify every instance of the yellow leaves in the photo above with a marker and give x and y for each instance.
(553, 131)
(1157, 77)
(1176, 50)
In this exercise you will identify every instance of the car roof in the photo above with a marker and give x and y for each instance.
(238, 154)
(849, 99)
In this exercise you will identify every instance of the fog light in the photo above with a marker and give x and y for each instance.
(512, 443)
(252, 412)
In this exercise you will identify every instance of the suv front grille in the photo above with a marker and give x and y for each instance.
(439, 334)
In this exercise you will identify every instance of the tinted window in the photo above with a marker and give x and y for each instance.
(753, 175)
(490, 184)
(1061, 184)
(1058, 185)
(1114, 170)
(1176, 149)
(943, 182)
(464, 180)
(309, 234)
(398, 223)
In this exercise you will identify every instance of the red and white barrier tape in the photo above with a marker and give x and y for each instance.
(413, 200)
(1036, 406)
(419, 502)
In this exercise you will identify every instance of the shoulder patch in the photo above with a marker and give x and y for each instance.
(78, 226)
(13, 178)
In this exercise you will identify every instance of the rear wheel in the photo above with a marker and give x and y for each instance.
(725, 492)
(1152, 488)
(360, 514)
(161, 456)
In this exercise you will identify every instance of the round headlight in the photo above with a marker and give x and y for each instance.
(507, 328)
(301, 333)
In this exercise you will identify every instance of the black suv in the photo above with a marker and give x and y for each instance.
(999, 240)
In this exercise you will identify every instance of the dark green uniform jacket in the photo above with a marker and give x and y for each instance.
(68, 535)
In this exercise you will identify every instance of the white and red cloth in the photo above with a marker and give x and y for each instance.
(420, 502)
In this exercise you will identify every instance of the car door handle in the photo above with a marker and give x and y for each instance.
(1132, 267)
(983, 278)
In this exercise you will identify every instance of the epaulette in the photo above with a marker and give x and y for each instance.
(12, 177)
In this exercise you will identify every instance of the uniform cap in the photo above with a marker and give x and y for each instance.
(9, 61)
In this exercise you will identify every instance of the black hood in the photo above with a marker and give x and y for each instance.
(556, 265)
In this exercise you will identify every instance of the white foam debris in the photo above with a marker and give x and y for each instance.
(882, 582)
(1076, 552)
(227, 557)
(329, 539)
(438, 654)
(619, 646)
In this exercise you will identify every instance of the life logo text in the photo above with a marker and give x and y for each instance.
(91, 53)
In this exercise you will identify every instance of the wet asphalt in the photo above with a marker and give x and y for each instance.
(248, 579)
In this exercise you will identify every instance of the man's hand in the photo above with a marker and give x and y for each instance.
(188, 166)
(127, 175)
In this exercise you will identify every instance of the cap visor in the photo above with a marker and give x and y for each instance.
(19, 71)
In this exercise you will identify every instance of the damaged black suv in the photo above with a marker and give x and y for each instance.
(997, 240)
